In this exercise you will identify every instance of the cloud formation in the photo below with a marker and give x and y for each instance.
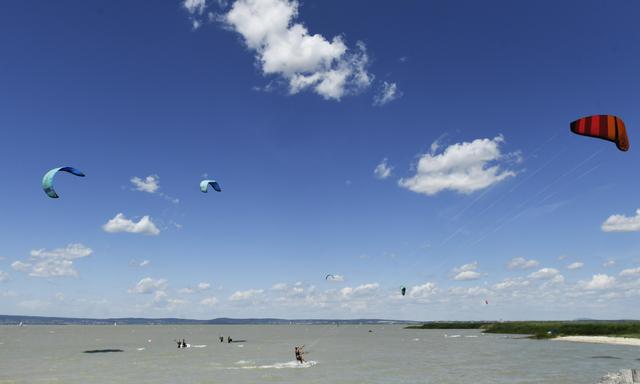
(121, 224)
(149, 184)
(387, 93)
(383, 170)
(245, 295)
(285, 48)
(598, 282)
(576, 265)
(54, 263)
(522, 263)
(462, 167)
(149, 285)
(622, 223)
(467, 272)
(4, 276)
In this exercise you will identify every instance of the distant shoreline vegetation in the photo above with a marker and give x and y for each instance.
(545, 329)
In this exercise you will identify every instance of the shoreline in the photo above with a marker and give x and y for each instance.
(601, 340)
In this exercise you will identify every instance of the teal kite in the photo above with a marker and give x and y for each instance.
(47, 180)
(204, 185)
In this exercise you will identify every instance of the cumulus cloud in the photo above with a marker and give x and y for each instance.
(287, 49)
(609, 263)
(149, 285)
(4, 276)
(511, 283)
(545, 274)
(198, 288)
(462, 167)
(425, 290)
(361, 290)
(467, 272)
(599, 281)
(209, 301)
(383, 170)
(387, 94)
(144, 263)
(194, 6)
(576, 265)
(53, 263)
(631, 272)
(622, 223)
(522, 263)
(245, 295)
(149, 184)
(279, 287)
(121, 224)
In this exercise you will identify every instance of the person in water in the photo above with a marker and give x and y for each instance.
(229, 339)
(184, 344)
(299, 354)
(222, 339)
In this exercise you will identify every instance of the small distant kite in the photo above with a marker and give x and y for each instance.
(486, 302)
(47, 180)
(329, 276)
(403, 290)
(606, 127)
(204, 185)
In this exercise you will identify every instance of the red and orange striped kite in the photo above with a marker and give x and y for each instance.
(606, 127)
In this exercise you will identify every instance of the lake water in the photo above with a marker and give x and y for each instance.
(344, 354)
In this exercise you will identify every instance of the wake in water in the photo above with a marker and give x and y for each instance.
(290, 364)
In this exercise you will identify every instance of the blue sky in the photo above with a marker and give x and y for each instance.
(419, 144)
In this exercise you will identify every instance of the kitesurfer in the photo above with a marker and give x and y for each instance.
(299, 354)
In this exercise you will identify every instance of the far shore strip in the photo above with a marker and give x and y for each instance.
(601, 340)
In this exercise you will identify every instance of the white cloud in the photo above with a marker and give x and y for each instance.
(195, 6)
(576, 265)
(149, 184)
(121, 224)
(361, 290)
(279, 287)
(511, 283)
(387, 94)
(522, 263)
(149, 285)
(467, 275)
(245, 295)
(622, 223)
(54, 263)
(4, 276)
(383, 170)
(545, 274)
(631, 272)
(198, 288)
(467, 272)
(423, 291)
(462, 167)
(609, 263)
(467, 267)
(287, 49)
(336, 278)
(20, 266)
(209, 301)
(600, 281)
(144, 263)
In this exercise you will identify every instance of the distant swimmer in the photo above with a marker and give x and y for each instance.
(229, 340)
(299, 352)
(222, 339)
(184, 344)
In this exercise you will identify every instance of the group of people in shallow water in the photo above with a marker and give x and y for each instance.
(297, 350)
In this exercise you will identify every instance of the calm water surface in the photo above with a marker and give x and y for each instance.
(345, 354)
